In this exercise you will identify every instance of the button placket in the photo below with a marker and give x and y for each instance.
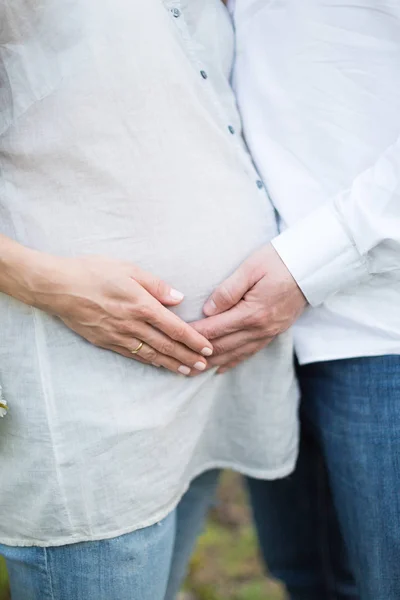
(176, 12)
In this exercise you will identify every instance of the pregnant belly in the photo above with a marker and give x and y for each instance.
(193, 251)
(193, 257)
(191, 224)
(196, 269)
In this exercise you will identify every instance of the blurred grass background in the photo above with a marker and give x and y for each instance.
(226, 565)
(3, 581)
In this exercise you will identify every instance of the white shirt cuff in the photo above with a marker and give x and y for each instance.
(321, 255)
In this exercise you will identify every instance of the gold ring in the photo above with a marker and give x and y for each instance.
(138, 349)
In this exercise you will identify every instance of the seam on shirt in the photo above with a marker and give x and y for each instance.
(15, 118)
(21, 236)
(4, 194)
(14, 232)
(48, 397)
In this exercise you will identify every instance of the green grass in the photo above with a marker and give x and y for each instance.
(3, 580)
(226, 565)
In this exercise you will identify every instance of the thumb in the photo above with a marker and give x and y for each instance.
(160, 290)
(229, 293)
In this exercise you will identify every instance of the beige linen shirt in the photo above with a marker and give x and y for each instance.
(119, 135)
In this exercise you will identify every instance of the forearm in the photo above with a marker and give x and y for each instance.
(19, 268)
(351, 239)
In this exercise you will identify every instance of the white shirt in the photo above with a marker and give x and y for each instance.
(120, 136)
(318, 84)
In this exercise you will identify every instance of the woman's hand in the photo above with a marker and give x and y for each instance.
(114, 305)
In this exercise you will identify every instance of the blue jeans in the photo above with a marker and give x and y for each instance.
(148, 564)
(338, 517)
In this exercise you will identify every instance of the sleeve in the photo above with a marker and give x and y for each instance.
(353, 237)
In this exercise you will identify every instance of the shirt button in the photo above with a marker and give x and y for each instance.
(176, 12)
(203, 74)
(260, 184)
(231, 129)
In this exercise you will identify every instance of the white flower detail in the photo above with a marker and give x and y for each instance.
(3, 404)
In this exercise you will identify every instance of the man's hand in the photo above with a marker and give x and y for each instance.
(250, 308)
(113, 304)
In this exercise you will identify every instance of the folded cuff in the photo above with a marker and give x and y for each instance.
(321, 255)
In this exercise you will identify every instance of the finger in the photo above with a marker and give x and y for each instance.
(231, 341)
(228, 367)
(231, 364)
(230, 292)
(139, 349)
(226, 323)
(160, 290)
(238, 354)
(178, 330)
(124, 352)
(229, 360)
(158, 341)
(150, 355)
(156, 360)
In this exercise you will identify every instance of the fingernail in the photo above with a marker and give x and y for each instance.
(200, 366)
(184, 370)
(155, 365)
(210, 307)
(206, 352)
(176, 295)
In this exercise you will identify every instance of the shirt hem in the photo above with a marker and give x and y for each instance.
(269, 474)
(306, 359)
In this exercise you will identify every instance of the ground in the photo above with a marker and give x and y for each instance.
(226, 564)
